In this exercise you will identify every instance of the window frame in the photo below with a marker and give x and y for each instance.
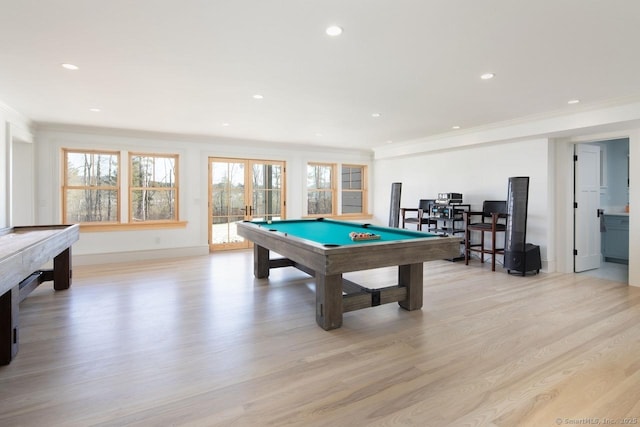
(66, 186)
(124, 219)
(337, 191)
(175, 188)
(363, 190)
(332, 189)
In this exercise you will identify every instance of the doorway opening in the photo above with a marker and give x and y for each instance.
(601, 209)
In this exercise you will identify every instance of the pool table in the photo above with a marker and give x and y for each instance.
(23, 252)
(324, 249)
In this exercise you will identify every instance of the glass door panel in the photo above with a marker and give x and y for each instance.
(242, 189)
(267, 179)
(227, 188)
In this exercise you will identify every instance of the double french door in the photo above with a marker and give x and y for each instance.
(239, 190)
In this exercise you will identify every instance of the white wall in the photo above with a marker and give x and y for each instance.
(194, 154)
(479, 172)
(14, 128)
(22, 177)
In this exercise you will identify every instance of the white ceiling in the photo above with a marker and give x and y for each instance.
(188, 66)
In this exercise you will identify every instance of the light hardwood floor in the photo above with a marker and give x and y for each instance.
(199, 341)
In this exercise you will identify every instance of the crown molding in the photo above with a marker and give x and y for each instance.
(606, 116)
(13, 116)
(50, 127)
(18, 126)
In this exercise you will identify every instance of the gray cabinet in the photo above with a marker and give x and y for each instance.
(615, 240)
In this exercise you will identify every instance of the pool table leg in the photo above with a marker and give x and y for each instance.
(410, 276)
(329, 301)
(260, 262)
(62, 270)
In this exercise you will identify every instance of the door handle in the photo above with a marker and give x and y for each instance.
(599, 212)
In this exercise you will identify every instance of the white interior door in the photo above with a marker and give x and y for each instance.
(587, 252)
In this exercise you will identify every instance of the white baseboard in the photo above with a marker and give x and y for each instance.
(114, 257)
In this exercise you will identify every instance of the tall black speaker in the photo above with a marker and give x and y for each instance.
(518, 255)
(394, 208)
(517, 205)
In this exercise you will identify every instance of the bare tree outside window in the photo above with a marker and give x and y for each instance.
(153, 190)
(90, 189)
(267, 191)
(320, 189)
(228, 189)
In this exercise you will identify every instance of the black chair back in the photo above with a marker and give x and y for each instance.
(425, 205)
(494, 206)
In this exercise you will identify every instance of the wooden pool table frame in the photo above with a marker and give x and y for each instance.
(335, 295)
(21, 260)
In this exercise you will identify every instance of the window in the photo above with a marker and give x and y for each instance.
(91, 187)
(320, 189)
(323, 190)
(94, 195)
(353, 189)
(153, 189)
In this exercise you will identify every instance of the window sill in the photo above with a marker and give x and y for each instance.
(133, 226)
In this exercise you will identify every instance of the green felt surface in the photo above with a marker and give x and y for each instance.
(330, 232)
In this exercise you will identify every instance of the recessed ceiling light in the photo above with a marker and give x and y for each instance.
(487, 76)
(573, 101)
(70, 67)
(258, 96)
(375, 114)
(318, 134)
(95, 110)
(225, 124)
(333, 31)
(455, 127)
(389, 141)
